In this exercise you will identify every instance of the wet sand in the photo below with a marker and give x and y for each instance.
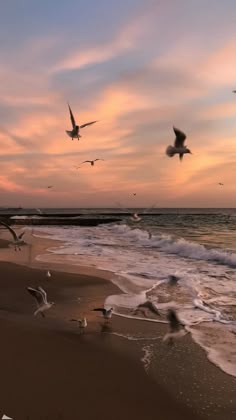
(50, 370)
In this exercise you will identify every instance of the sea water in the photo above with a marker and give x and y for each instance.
(196, 246)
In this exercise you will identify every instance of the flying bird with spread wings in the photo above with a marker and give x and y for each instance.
(17, 239)
(41, 299)
(75, 132)
(179, 147)
(91, 161)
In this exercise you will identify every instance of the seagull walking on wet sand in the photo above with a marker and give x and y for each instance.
(81, 322)
(175, 326)
(41, 299)
(75, 132)
(91, 161)
(106, 313)
(17, 238)
(179, 147)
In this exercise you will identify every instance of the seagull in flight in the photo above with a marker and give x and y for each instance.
(91, 161)
(220, 183)
(41, 298)
(75, 132)
(82, 323)
(49, 186)
(17, 239)
(106, 313)
(179, 147)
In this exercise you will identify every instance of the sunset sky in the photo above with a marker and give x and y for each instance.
(137, 66)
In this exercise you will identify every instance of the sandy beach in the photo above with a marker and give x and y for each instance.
(50, 370)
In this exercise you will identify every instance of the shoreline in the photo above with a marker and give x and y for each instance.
(134, 351)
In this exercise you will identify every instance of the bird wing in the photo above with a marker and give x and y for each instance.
(72, 117)
(37, 294)
(44, 294)
(89, 123)
(98, 159)
(180, 137)
(87, 161)
(21, 235)
(100, 310)
(10, 230)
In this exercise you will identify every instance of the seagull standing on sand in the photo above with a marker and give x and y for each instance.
(91, 161)
(178, 147)
(48, 274)
(107, 313)
(74, 133)
(17, 238)
(82, 323)
(41, 298)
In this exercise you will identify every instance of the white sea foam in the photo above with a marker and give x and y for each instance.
(147, 357)
(205, 292)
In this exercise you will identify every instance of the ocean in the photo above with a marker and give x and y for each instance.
(198, 246)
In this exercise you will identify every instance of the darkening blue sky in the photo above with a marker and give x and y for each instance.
(138, 66)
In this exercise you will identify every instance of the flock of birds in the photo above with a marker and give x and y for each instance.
(39, 293)
(175, 325)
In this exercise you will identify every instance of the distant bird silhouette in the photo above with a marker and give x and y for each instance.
(134, 193)
(75, 132)
(91, 161)
(50, 186)
(41, 298)
(17, 239)
(178, 147)
(220, 183)
(107, 313)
